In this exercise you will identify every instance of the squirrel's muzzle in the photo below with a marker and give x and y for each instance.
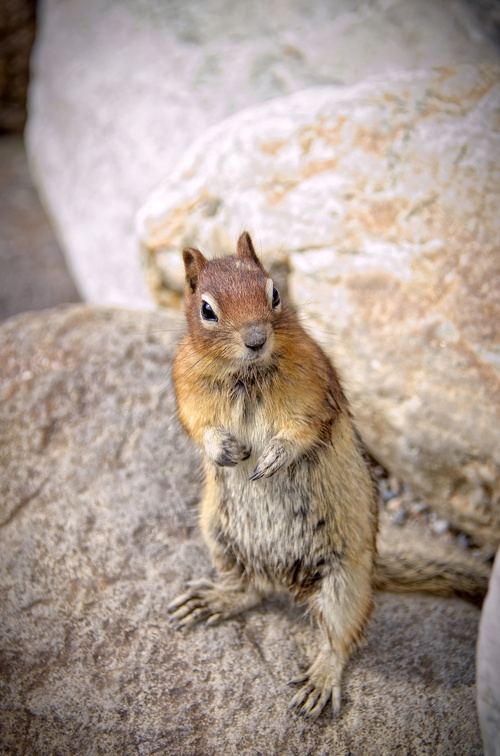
(254, 337)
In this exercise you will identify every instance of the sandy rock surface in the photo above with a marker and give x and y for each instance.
(98, 533)
(383, 201)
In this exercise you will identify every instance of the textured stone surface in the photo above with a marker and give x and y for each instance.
(119, 89)
(383, 199)
(488, 666)
(98, 532)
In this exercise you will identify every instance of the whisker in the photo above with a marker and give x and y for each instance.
(277, 255)
(218, 349)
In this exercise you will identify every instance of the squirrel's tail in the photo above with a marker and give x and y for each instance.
(404, 568)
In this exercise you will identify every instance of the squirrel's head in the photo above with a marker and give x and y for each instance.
(232, 305)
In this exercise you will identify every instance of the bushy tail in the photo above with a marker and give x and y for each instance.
(419, 566)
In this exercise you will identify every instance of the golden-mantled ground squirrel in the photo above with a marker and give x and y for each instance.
(289, 500)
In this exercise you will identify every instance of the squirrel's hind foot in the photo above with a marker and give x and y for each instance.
(320, 683)
(209, 602)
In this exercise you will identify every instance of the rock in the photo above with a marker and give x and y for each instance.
(98, 533)
(119, 90)
(488, 666)
(488, 13)
(383, 200)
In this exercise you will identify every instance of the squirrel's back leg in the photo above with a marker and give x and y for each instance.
(341, 607)
(231, 592)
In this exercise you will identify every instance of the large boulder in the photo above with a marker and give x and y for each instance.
(488, 666)
(98, 533)
(119, 89)
(383, 201)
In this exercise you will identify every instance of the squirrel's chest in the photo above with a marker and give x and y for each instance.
(251, 416)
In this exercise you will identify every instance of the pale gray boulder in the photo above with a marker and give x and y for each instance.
(119, 89)
(383, 200)
(488, 666)
(98, 533)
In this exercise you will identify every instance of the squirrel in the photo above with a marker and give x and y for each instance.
(290, 502)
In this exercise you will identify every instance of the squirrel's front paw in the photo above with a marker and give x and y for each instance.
(209, 602)
(277, 455)
(224, 449)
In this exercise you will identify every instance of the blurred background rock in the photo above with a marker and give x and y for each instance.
(33, 271)
(121, 89)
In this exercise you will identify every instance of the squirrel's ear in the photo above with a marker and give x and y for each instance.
(194, 261)
(245, 248)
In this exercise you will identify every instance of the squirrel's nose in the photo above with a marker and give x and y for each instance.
(255, 337)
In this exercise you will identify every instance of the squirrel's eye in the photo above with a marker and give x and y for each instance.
(276, 297)
(207, 312)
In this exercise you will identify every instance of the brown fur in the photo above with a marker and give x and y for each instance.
(289, 501)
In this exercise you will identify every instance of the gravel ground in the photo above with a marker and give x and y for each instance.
(401, 507)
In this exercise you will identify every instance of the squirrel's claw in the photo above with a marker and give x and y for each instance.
(277, 455)
(224, 449)
(256, 475)
(319, 684)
